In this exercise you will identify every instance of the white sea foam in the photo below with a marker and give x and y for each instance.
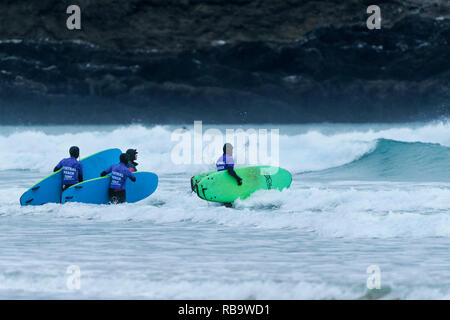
(313, 241)
(310, 150)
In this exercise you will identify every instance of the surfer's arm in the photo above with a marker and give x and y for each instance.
(104, 173)
(132, 176)
(233, 173)
(58, 166)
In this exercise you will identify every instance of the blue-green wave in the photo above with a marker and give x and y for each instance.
(394, 160)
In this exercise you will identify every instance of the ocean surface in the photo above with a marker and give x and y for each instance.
(362, 196)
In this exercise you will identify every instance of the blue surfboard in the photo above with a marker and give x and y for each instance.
(95, 191)
(49, 189)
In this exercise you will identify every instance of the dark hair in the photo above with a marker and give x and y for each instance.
(227, 146)
(132, 154)
(124, 158)
(74, 152)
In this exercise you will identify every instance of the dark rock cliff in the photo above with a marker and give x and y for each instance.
(224, 61)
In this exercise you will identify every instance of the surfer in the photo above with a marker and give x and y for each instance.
(226, 162)
(119, 174)
(132, 157)
(72, 169)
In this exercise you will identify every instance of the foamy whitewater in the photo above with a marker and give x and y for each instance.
(362, 195)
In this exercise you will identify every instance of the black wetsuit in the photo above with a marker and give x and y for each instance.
(132, 166)
(117, 196)
(119, 174)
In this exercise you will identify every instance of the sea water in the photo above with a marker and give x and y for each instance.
(363, 198)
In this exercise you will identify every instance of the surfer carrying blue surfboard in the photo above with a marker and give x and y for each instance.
(119, 174)
(72, 169)
(226, 162)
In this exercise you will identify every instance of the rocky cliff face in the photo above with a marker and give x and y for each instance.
(224, 61)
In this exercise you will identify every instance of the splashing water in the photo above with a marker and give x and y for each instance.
(361, 195)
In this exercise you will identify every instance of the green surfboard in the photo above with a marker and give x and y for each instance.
(196, 179)
(221, 187)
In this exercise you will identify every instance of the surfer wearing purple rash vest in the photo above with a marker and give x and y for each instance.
(119, 175)
(72, 169)
(226, 162)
